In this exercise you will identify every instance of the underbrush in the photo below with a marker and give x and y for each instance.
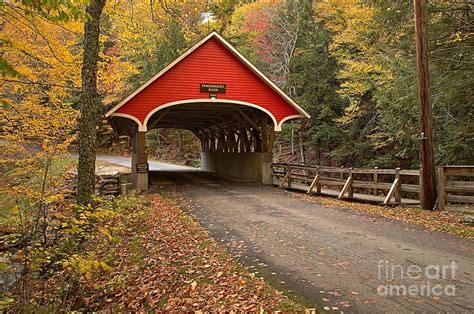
(22, 186)
(132, 253)
(52, 265)
(127, 254)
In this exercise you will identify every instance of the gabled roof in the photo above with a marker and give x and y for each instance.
(234, 51)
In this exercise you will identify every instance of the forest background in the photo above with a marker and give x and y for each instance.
(349, 63)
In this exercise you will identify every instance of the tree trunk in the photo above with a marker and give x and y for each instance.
(428, 189)
(302, 150)
(292, 140)
(158, 144)
(158, 138)
(89, 104)
(180, 143)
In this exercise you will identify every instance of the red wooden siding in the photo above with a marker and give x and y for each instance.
(212, 62)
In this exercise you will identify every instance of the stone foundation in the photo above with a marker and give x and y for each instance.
(106, 183)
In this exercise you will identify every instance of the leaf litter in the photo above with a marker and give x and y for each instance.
(167, 261)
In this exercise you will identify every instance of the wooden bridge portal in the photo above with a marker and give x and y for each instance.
(218, 95)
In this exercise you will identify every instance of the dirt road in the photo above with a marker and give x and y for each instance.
(339, 259)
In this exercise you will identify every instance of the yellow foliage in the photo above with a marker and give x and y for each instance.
(352, 24)
(85, 266)
(35, 104)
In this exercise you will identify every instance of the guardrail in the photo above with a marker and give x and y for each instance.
(386, 184)
(459, 189)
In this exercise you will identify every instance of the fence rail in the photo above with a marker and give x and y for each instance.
(381, 184)
(460, 187)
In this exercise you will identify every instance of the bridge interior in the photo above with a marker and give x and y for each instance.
(220, 127)
(236, 140)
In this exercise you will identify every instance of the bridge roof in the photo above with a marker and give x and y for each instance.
(211, 61)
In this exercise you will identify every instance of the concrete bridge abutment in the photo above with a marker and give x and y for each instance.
(251, 166)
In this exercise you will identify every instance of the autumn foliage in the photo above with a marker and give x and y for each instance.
(349, 63)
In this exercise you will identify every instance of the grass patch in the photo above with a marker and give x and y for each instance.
(293, 297)
(137, 252)
(162, 302)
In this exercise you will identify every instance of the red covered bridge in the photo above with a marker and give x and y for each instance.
(218, 95)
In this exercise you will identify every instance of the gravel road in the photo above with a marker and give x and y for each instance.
(335, 258)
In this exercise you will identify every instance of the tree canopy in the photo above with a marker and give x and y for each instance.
(350, 63)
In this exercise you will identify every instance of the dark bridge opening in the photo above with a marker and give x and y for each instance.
(220, 127)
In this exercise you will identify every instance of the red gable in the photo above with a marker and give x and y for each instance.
(211, 61)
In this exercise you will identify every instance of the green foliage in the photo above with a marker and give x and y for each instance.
(163, 51)
(373, 43)
(6, 69)
(452, 73)
(313, 75)
(353, 68)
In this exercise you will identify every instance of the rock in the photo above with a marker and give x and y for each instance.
(468, 219)
(10, 272)
(105, 181)
(111, 174)
(111, 187)
(125, 188)
(110, 192)
(125, 177)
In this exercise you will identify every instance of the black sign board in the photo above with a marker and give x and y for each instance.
(212, 88)
(142, 168)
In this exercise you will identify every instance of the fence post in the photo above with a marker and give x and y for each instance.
(286, 177)
(350, 192)
(398, 192)
(347, 188)
(442, 188)
(421, 186)
(289, 177)
(318, 185)
(376, 180)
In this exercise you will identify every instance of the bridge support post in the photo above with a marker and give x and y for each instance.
(139, 162)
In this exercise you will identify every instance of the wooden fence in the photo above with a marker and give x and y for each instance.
(380, 184)
(455, 185)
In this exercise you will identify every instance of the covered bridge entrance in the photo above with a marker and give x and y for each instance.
(218, 95)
